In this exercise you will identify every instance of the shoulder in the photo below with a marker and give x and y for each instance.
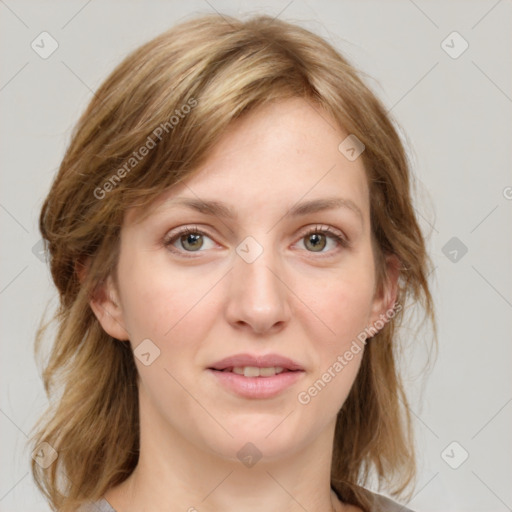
(384, 504)
(101, 505)
(379, 503)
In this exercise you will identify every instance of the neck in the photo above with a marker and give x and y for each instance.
(174, 474)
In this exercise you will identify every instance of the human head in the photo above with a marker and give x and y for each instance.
(223, 70)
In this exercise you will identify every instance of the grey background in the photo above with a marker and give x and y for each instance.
(455, 113)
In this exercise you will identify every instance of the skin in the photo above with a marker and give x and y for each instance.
(304, 303)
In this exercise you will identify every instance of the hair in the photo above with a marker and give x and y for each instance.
(175, 95)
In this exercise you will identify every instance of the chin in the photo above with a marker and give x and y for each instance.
(265, 438)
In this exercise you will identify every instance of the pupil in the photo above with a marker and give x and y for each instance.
(191, 238)
(316, 237)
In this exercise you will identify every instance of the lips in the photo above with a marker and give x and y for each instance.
(256, 376)
(258, 361)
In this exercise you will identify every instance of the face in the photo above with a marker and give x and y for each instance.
(203, 286)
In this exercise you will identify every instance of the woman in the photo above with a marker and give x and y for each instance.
(233, 240)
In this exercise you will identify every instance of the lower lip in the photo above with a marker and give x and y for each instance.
(257, 387)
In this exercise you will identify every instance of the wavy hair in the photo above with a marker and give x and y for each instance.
(181, 90)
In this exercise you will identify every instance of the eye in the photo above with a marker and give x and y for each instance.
(316, 238)
(190, 240)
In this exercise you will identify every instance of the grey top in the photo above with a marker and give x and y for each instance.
(101, 505)
(380, 504)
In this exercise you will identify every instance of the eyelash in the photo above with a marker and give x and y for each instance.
(169, 240)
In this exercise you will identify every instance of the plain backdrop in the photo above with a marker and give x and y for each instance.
(451, 94)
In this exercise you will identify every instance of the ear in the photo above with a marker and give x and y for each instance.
(106, 305)
(385, 298)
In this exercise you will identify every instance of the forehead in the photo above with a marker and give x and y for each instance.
(282, 154)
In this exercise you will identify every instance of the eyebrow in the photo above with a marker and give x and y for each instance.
(222, 210)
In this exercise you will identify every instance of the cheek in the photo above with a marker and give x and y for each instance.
(172, 306)
(353, 308)
(345, 308)
(341, 306)
(155, 301)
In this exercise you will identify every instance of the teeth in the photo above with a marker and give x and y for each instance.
(254, 371)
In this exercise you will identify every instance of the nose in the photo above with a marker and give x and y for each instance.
(258, 293)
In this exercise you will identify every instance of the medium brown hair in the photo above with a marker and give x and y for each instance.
(221, 67)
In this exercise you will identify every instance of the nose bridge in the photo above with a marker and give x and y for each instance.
(258, 294)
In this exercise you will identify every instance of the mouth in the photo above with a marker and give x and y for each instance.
(255, 371)
(256, 382)
(251, 365)
(251, 376)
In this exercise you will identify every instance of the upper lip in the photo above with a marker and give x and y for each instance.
(259, 361)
